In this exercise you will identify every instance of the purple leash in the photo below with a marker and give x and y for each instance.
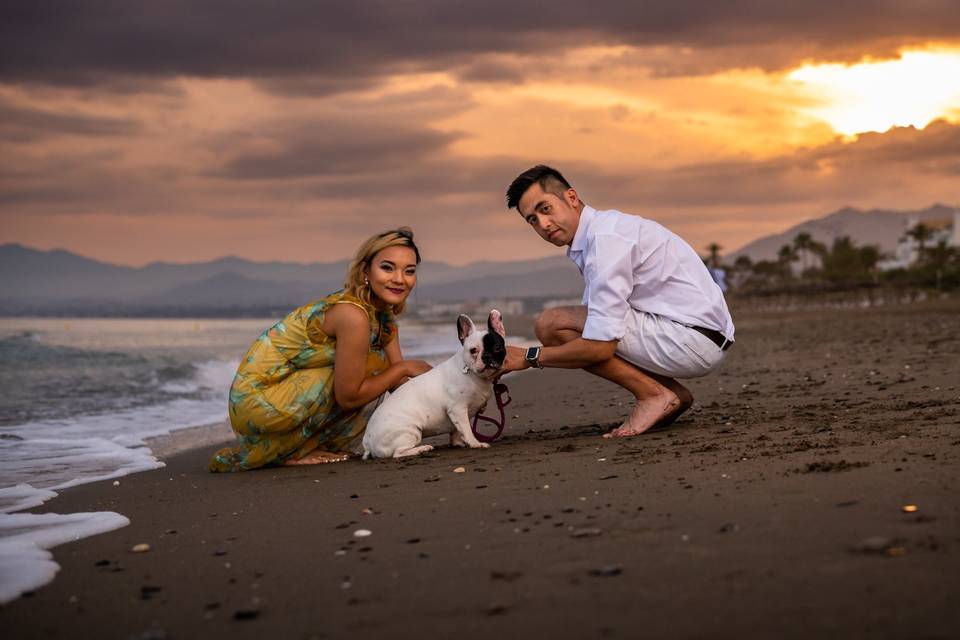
(500, 390)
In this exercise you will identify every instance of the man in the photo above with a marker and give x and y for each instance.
(651, 312)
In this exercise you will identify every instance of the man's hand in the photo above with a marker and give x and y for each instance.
(515, 360)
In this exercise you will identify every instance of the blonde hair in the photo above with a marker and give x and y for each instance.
(356, 283)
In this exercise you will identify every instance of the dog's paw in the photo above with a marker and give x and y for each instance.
(480, 445)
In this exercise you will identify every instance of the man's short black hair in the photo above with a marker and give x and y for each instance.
(549, 179)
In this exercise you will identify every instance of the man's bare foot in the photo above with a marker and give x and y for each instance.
(647, 413)
(317, 457)
(686, 401)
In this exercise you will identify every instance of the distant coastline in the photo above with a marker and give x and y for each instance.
(58, 283)
(797, 297)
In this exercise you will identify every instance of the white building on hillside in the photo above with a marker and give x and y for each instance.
(908, 248)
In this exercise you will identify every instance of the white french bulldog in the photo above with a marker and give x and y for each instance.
(442, 399)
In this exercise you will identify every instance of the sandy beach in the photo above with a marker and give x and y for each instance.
(774, 508)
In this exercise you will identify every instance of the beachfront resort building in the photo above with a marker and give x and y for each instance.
(437, 311)
(908, 249)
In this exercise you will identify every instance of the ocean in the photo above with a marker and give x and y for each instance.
(82, 396)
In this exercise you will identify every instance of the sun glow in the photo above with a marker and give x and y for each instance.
(873, 96)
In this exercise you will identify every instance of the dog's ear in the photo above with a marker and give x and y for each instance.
(465, 327)
(495, 323)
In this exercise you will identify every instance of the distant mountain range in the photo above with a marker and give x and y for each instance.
(60, 282)
(877, 226)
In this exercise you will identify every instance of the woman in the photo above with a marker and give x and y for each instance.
(305, 389)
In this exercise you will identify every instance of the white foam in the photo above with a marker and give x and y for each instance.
(61, 453)
(23, 496)
(43, 456)
(212, 375)
(24, 537)
(61, 463)
(40, 457)
(24, 567)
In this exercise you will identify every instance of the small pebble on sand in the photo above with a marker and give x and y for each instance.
(246, 614)
(459, 470)
(143, 547)
(880, 545)
(607, 571)
(910, 508)
(362, 533)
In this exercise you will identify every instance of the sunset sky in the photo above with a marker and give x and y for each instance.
(183, 131)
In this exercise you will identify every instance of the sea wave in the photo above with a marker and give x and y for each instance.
(40, 457)
(83, 397)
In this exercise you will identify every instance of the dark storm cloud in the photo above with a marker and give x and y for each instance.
(416, 166)
(345, 138)
(931, 148)
(874, 162)
(345, 44)
(434, 179)
(83, 182)
(315, 87)
(19, 124)
(338, 148)
(486, 70)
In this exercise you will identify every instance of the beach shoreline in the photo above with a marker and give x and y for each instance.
(183, 440)
(775, 507)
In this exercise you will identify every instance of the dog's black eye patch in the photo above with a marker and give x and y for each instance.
(494, 348)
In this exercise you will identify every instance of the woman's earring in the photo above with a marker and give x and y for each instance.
(366, 282)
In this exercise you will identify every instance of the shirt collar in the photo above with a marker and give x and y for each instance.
(579, 243)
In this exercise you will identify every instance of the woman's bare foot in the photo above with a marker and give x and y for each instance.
(318, 457)
(647, 413)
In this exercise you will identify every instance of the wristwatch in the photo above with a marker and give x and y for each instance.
(533, 357)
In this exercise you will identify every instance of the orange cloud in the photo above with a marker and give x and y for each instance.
(295, 137)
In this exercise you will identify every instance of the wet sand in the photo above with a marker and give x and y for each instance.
(774, 508)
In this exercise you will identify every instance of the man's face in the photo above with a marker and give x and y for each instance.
(554, 218)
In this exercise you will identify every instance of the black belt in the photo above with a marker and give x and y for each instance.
(715, 336)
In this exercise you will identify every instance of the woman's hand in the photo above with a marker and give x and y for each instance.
(415, 368)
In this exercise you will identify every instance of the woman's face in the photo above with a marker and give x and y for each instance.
(392, 274)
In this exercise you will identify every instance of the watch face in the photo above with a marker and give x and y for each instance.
(533, 353)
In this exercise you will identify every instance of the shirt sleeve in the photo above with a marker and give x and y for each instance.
(609, 275)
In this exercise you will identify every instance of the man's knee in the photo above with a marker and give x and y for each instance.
(547, 328)
(559, 325)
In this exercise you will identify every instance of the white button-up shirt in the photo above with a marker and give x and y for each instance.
(628, 261)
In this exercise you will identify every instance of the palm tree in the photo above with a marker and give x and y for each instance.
(819, 249)
(714, 250)
(743, 263)
(869, 257)
(921, 233)
(939, 258)
(741, 270)
(842, 260)
(803, 244)
(785, 257)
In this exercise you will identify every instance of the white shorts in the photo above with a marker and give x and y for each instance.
(660, 345)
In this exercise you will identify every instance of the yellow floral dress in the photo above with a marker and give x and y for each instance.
(281, 402)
